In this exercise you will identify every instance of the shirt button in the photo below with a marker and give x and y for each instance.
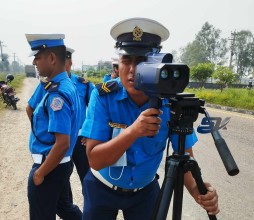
(133, 168)
(131, 184)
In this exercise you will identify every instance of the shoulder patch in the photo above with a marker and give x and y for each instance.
(107, 87)
(83, 80)
(57, 103)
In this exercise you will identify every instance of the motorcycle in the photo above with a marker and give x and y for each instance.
(7, 92)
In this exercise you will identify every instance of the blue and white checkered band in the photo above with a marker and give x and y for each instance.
(40, 44)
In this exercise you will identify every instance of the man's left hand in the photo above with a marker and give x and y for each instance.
(209, 201)
(37, 178)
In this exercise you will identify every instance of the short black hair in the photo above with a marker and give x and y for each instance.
(59, 51)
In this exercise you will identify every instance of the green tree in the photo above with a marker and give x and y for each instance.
(193, 54)
(202, 72)
(215, 47)
(224, 76)
(244, 53)
(208, 46)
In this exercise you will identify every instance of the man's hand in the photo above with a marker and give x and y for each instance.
(83, 141)
(148, 123)
(38, 178)
(209, 201)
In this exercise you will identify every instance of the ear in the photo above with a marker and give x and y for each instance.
(53, 58)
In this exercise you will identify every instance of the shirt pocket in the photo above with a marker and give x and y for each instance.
(40, 128)
(155, 145)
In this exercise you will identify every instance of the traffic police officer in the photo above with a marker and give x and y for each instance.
(54, 124)
(125, 143)
(84, 88)
(114, 74)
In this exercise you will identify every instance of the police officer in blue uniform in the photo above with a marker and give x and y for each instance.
(114, 74)
(54, 124)
(125, 143)
(106, 77)
(84, 88)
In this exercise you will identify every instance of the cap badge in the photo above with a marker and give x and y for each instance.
(137, 33)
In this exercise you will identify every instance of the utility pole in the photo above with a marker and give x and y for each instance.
(232, 47)
(1, 49)
(14, 66)
(14, 57)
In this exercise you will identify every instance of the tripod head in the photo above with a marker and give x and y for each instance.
(184, 111)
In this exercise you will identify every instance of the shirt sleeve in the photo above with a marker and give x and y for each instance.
(59, 113)
(190, 140)
(37, 96)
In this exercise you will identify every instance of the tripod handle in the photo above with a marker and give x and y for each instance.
(154, 102)
(196, 173)
(225, 154)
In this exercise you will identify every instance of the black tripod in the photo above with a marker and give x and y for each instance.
(184, 112)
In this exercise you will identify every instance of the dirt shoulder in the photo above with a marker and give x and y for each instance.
(15, 160)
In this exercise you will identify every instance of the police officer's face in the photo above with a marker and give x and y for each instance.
(68, 64)
(127, 66)
(41, 62)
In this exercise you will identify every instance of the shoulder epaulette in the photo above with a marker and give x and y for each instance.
(45, 83)
(53, 87)
(107, 87)
(83, 80)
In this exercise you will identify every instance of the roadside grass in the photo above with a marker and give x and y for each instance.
(16, 83)
(95, 80)
(238, 98)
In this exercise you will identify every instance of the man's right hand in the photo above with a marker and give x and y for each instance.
(148, 123)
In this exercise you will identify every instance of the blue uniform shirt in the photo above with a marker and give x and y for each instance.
(37, 96)
(145, 154)
(61, 116)
(83, 88)
(106, 77)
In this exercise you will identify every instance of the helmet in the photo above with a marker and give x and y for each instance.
(9, 77)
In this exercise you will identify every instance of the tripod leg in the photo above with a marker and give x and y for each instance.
(196, 173)
(161, 210)
(178, 195)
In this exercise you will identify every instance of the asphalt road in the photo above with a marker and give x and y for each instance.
(236, 193)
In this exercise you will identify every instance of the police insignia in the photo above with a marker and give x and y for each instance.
(117, 125)
(57, 103)
(137, 33)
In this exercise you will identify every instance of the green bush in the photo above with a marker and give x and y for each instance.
(95, 80)
(238, 98)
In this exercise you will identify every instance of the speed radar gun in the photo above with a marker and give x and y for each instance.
(159, 78)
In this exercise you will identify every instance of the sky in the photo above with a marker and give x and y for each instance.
(86, 24)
